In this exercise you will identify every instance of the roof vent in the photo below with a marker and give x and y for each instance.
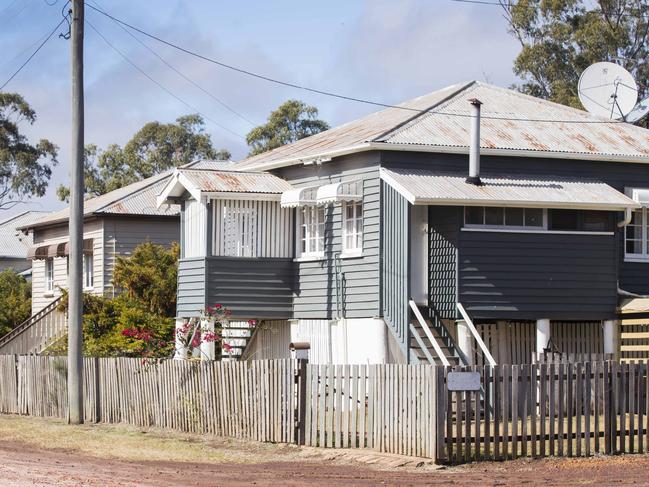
(474, 148)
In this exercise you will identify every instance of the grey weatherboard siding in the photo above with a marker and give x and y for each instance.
(248, 287)
(316, 280)
(633, 276)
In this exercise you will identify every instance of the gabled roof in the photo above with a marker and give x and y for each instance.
(207, 182)
(134, 199)
(12, 242)
(424, 187)
(512, 124)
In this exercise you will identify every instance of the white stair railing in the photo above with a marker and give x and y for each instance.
(476, 335)
(429, 334)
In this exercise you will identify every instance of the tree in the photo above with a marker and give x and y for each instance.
(293, 120)
(25, 169)
(15, 300)
(155, 148)
(560, 38)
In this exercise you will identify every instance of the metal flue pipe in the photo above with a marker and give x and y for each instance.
(474, 148)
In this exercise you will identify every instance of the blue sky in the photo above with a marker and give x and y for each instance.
(383, 50)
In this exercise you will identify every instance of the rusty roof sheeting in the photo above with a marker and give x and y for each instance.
(432, 129)
(210, 181)
(421, 186)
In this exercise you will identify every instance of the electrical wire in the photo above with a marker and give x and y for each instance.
(330, 93)
(40, 46)
(185, 77)
(160, 85)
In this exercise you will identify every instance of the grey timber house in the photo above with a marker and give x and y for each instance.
(371, 242)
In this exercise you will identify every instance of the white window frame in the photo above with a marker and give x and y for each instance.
(49, 275)
(356, 234)
(640, 196)
(311, 230)
(540, 228)
(244, 241)
(88, 272)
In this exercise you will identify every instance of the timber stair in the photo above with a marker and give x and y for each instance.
(421, 347)
(238, 335)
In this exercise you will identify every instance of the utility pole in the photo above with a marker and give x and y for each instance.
(75, 303)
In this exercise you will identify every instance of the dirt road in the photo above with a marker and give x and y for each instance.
(37, 452)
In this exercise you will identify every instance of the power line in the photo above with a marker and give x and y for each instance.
(185, 77)
(160, 85)
(33, 54)
(329, 93)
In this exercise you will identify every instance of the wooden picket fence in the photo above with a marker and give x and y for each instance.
(562, 409)
(551, 408)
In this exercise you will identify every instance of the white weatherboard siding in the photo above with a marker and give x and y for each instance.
(59, 234)
(245, 228)
(195, 229)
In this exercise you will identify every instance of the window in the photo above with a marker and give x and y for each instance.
(239, 231)
(493, 216)
(49, 274)
(352, 227)
(636, 233)
(312, 225)
(88, 271)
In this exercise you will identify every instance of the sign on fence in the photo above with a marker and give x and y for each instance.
(463, 381)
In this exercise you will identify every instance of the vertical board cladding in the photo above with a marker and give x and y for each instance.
(444, 228)
(271, 341)
(395, 263)
(195, 229)
(633, 276)
(316, 294)
(250, 287)
(92, 229)
(191, 287)
(533, 276)
(263, 229)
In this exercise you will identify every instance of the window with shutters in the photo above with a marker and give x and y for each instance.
(239, 227)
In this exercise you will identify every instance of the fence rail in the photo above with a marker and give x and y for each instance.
(555, 408)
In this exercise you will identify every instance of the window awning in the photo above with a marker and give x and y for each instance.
(57, 250)
(341, 191)
(306, 196)
(424, 187)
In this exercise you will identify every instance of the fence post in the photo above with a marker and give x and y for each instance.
(300, 404)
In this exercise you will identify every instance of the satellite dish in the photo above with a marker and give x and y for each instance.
(608, 90)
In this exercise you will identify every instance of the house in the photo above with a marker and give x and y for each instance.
(393, 238)
(14, 245)
(114, 224)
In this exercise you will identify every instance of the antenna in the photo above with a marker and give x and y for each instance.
(608, 90)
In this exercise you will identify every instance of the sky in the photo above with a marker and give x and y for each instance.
(384, 50)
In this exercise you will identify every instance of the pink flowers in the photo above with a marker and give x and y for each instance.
(144, 335)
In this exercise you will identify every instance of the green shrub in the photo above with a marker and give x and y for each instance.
(15, 300)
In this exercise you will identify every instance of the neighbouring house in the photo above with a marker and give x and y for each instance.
(394, 238)
(14, 245)
(114, 224)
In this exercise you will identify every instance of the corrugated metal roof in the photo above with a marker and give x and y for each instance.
(420, 186)
(12, 242)
(352, 133)
(209, 181)
(134, 199)
(512, 130)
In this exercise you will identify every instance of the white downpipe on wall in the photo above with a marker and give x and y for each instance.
(542, 334)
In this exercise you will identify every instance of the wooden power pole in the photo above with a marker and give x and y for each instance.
(75, 303)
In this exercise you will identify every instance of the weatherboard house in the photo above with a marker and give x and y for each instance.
(399, 237)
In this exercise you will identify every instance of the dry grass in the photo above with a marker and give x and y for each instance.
(129, 443)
